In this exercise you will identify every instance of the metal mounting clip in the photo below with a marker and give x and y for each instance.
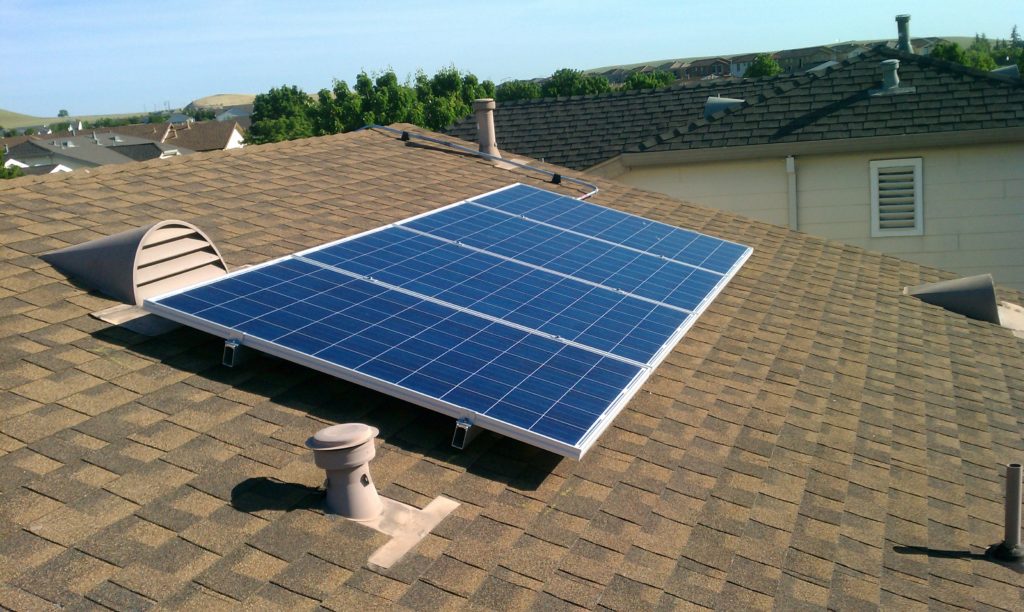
(464, 433)
(234, 353)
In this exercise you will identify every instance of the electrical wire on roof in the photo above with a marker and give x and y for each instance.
(556, 178)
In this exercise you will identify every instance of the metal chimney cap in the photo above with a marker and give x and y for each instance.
(484, 104)
(337, 437)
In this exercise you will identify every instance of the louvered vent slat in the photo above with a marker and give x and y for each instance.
(897, 198)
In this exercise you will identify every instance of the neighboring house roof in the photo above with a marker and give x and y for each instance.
(202, 136)
(45, 169)
(242, 110)
(195, 136)
(818, 439)
(144, 151)
(581, 131)
(838, 104)
(95, 149)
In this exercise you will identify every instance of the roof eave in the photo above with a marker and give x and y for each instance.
(620, 163)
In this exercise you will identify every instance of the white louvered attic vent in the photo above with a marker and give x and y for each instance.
(896, 202)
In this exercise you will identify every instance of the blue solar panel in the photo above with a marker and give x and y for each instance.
(617, 227)
(500, 309)
(538, 299)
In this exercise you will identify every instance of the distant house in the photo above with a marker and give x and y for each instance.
(234, 113)
(738, 64)
(195, 136)
(88, 151)
(799, 60)
(709, 66)
(180, 118)
(931, 170)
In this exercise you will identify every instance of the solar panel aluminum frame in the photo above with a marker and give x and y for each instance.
(432, 403)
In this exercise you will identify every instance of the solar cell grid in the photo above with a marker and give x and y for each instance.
(553, 304)
(534, 329)
(644, 275)
(621, 228)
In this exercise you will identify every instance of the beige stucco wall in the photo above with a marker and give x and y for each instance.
(973, 202)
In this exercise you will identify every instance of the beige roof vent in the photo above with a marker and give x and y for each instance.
(141, 263)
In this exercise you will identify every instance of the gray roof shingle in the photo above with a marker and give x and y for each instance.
(813, 427)
(581, 132)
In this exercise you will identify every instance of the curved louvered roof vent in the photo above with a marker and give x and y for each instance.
(141, 263)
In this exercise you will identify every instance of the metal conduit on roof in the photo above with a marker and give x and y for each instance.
(406, 135)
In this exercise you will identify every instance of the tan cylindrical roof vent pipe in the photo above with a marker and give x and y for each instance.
(344, 452)
(484, 110)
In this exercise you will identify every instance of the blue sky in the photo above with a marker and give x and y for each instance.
(108, 56)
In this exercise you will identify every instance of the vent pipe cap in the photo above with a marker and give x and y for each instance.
(344, 453)
(971, 296)
(337, 437)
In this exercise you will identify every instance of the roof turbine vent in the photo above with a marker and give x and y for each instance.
(971, 296)
(141, 263)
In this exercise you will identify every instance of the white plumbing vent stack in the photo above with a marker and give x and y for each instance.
(484, 110)
(344, 452)
(903, 27)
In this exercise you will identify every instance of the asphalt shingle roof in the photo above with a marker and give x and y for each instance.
(839, 104)
(811, 430)
(581, 132)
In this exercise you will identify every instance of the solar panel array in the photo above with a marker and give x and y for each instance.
(532, 314)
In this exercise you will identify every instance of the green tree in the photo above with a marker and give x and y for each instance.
(9, 173)
(283, 113)
(762, 66)
(648, 80)
(950, 52)
(978, 55)
(569, 82)
(516, 90)
(976, 58)
(204, 114)
(448, 96)
(62, 113)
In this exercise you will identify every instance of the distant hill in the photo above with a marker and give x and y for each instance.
(963, 41)
(222, 100)
(11, 120)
